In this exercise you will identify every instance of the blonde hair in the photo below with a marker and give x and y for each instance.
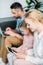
(34, 14)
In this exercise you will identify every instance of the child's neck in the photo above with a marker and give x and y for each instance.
(28, 34)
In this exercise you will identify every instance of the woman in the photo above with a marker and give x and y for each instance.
(34, 21)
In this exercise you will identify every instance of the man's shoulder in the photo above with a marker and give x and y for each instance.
(21, 19)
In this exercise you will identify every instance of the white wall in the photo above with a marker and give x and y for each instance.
(5, 7)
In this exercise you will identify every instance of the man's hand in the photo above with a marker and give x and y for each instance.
(10, 32)
(8, 29)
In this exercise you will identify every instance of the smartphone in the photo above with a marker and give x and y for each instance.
(11, 50)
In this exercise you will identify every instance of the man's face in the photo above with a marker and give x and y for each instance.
(16, 13)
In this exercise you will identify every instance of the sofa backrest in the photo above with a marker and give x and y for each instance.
(11, 24)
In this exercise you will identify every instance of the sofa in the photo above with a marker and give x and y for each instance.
(4, 23)
(7, 22)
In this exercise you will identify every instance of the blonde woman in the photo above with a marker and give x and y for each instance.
(35, 24)
(34, 21)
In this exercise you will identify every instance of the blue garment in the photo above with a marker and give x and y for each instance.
(9, 56)
(18, 22)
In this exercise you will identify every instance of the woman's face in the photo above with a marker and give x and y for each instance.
(31, 24)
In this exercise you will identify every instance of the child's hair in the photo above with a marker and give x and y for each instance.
(23, 25)
(34, 14)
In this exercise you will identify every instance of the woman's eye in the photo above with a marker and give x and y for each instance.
(28, 26)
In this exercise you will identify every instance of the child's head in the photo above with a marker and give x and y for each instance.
(33, 18)
(23, 28)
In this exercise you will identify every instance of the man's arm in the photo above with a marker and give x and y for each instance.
(18, 36)
(11, 33)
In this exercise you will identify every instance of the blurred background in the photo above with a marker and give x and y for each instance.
(5, 6)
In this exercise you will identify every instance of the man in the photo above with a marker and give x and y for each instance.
(14, 38)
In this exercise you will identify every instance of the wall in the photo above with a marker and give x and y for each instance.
(5, 7)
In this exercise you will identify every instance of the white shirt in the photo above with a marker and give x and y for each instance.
(37, 53)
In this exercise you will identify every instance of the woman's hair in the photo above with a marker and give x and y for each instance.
(34, 14)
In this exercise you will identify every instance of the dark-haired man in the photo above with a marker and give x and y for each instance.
(15, 38)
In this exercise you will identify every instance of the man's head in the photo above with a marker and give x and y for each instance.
(17, 10)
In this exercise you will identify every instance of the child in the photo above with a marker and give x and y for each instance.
(27, 40)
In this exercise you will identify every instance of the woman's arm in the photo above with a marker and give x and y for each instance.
(35, 60)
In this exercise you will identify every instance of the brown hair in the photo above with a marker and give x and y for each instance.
(23, 24)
